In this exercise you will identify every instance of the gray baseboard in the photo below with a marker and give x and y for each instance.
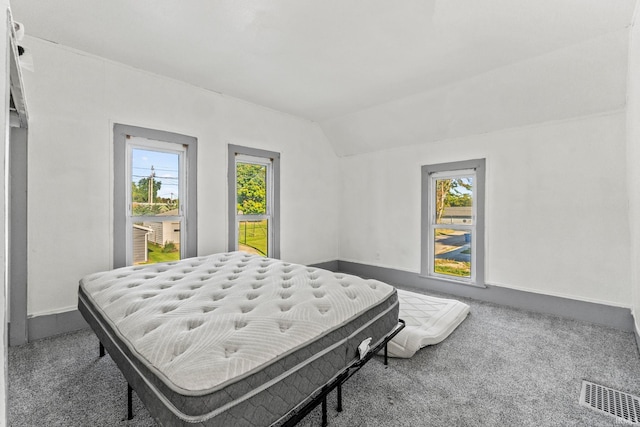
(55, 324)
(40, 327)
(601, 314)
(327, 265)
(637, 339)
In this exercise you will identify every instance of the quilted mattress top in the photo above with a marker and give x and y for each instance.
(429, 320)
(201, 322)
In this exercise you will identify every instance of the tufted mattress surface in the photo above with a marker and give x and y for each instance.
(202, 325)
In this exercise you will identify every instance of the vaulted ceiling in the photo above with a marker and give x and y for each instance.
(328, 60)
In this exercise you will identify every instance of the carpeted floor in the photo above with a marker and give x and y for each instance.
(501, 367)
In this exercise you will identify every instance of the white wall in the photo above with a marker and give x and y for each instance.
(633, 161)
(556, 217)
(4, 129)
(74, 100)
(553, 131)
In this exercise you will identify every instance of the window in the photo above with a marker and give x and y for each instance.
(154, 196)
(254, 200)
(453, 221)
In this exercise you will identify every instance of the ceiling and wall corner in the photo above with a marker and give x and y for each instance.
(359, 67)
(578, 80)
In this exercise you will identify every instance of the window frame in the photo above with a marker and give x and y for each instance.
(262, 157)
(163, 147)
(451, 170)
(122, 188)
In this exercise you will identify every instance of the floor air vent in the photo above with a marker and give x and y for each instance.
(621, 405)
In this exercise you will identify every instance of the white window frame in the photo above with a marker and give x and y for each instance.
(471, 228)
(183, 196)
(268, 164)
(431, 173)
(240, 154)
(122, 229)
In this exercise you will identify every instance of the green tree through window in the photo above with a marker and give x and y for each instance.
(452, 192)
(251, 189)
(140, 191)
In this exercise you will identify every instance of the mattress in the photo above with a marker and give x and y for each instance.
(234, 338)
(429, 320)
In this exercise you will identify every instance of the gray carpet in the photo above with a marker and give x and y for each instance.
(501, 367)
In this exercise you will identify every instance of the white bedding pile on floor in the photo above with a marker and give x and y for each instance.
(429, 320)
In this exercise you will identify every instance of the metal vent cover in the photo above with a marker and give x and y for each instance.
(603, 399)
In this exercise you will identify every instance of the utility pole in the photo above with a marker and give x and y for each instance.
(153, 174)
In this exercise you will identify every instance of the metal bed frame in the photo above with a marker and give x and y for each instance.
(320, 397)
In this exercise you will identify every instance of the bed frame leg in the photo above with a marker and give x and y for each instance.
(386, 361)
(101, 350)
(129, 402)
(324, 411)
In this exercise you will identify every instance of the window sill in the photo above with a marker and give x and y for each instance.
(444, 280)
